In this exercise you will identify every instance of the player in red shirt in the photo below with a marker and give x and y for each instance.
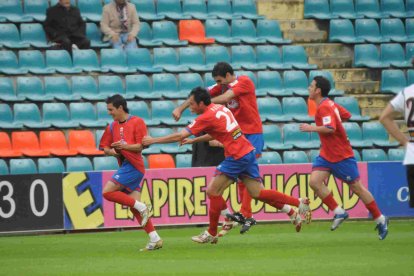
(336, 157)
(123, 140)
(239, 96)
(240, 162)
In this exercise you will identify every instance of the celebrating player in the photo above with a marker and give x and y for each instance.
(336, 157)
(240, 162)
(123, 139)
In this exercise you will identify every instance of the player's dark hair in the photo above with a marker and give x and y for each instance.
(323, 84)
(200, 94)
(117, 100)
(221, 69)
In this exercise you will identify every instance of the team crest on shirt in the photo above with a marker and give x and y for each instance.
(326, 120)
(233, 104)
(116, 176)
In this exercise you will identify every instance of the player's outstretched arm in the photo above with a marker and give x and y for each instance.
(387, 119)
(175, 137)
(180, 109)
(312, 128)
(224, 98)
(204, 138)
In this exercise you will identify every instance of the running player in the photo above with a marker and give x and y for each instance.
(336, 157)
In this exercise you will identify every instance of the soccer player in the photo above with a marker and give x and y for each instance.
(403, 103)
(239, 96)
(336, 156)
(123, 140)
(240, 162)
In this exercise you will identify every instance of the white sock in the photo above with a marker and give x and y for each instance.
(225, 212)
(380, 219)
(140, 206)
(154, 237)
(339, 211)
(286, 209)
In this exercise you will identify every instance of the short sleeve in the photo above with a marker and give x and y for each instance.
(398, 102)
(106, 139)
(196, 127)
(328, 117)
(343, 112)
(140, 131)
(242, 86)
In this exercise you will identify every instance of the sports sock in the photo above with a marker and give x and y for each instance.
(120, 197)
(339, 211)
(154, 237)
(225, 212)
(217, 204)
(330, 202)
(149, 227)
(246, 200)
(373, 209)
(271, 197)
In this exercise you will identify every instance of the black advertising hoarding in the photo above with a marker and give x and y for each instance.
(31, 202)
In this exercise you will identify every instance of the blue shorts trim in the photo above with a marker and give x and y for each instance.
(128, 176)
(346, 170)
(246, 166)
(257, 141)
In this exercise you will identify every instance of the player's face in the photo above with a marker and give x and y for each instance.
(194, 107)
(65, 3)
(223, 80)
(116, 113)
(312, 90)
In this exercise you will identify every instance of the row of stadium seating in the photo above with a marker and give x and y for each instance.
(91, 10)
(163, 59)
(73, 164)
(368, 31)
(389, 55)
(325, 9)
(394, 81)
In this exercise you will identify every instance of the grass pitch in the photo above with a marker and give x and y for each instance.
(268, 249)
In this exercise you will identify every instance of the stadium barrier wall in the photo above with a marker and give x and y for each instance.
(73, 201)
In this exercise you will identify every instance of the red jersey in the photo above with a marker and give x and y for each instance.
(244, 105)
(219, 122)
(335, 146)
(130, 132)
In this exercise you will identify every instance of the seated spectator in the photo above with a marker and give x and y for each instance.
(64, 26)
(120, 24)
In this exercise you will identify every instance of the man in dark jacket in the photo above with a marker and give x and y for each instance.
(64, 25)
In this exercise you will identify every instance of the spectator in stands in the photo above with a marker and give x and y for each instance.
(64, 26)
(120, 24)
(207, 154)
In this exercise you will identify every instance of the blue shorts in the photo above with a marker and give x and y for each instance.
(346, 170)
(128, 176)
(257, 141)
(245, 166)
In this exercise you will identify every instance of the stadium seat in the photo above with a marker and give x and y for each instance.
(317, 9)
(409, 7)
(141, 110)
(34, 35)
(7, 91)
(245, 30)
(197, 9)
(32, 88)
(216, 54)
(22, 166)
(355, 135)
(167, 58)
(83, 141)
(270, 83)
(366, 55)
(301, 140)
(105, 163)
(293, 156)
(392, 54)
(50, 165)
(183, 160)
(186, 116)
(297, 108)
(410, 77)
(87, 60)
(357, 155)
(98, 136)
(188, 81)
(221, 9)
(141, 87)
(102, 113)
(270, 158)
(141, 60)
(12, 10)
(273, 138)
(246, 8)
(4, 169)
(10, 64)
(220, 30)
(10, 37)
(85, 114)
(162, 110)
(374, 155)
(409, 28)
(270, 30)
(61, 61)
(160, 161)
(351, 104)
(392, 81)
(270, 56)
(193, 58)
(146, 10)
(394, 8)
(34, 62)
(194, 32)
(146, 38)
(396, 154)
(95, 36)
(115, 60)
(369, 31)
(110, 85)
(394, 30)
(60, 88)
(171, 9)
(342, 30)
(91, 10)
(6, 147)
(167, 85)
(166, 32)
(6, 118)
(29, 115)
(156, 148)
(343, 9)
(376, 133)
(167, 148)
(296, 82)
(78, 164)
(270, 110)
(313, 154)
(244, 57)
(58, 115)
(54, 141)
(28, 143)
(208, 80)
(369, 9)
(409, 52)
(328, 75)
(296, 57)
(36, 9)
(86, 87)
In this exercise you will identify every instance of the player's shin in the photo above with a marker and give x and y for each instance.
(217, 204)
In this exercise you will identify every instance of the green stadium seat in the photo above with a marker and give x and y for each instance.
(301, 140)
(293, 156)
(146, 10)
(270, 110)
(245, 30)
(6, 118)
(166, 32)
(369, 9)
(110, 85)
(244, 57)
(270, 83)
(392, 81)
(392, 54)
(409, 6)
(167, 58)
(171, 9)
(393, 29)
(250, 74)
(29, 115)
(167, 85)
(222, 9)
(246, 8)
(270, 30)
(376, 133)
(60, 88)
(141, 60)
(366, 55)
(270, 55)
(10, 37)
(220, 30)
(61, 61)
(9, 63)
(115, 60)
(317, 9)
(32, 88)
(354, 133)
(374, 155)
(216, 54)
(357, 155)
(297, 108)
(78, 164)
(50, 165)
(351, 104)
(95, 36)
(98, 136)
(105, 163)
(368, 30)
(296, 56)
(102, 113)
(328, 75)
(34, 62)
(22, 166)
(4, 169)
(140, 86)
(36, 9)
(394, 8)
(273, 138)
(183, 160)
(145, 36)
(86, 87)
(34, 35)
(12, 10)
(85, 114)
(342, 30)
(197, 9)
(343, 9)
(270, 158)
(313, 154)
(193, 58)
(141, 110)
(188, 81)
(410, 77)
(91, 10)
(58, 115)
(296, 82)
(162, 110)
(396, 154)
(87, 60)
(409, 29)
(7, 91)
(156, 148)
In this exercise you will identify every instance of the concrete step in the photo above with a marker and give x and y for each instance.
(304, 31)
(301, 36)
(331, 62)
(355, 74)
(373, 101)
(281, 9)
(329, 55)
(359, 87)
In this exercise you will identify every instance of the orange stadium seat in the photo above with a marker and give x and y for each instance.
(55, 142)
(83, 141)
(160, 161)
(311, 108)
(28, 143)
(6, 147)
(194, 32)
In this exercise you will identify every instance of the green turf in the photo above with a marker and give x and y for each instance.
(353, 249)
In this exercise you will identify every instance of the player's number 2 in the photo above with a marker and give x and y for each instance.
(230, 121)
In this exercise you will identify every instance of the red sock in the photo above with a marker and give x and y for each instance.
(217, 204)
(246, 200)
(120, 197)
(373, 209)
(330, 202)
(291, 212)
(149, 227)
(272, 196)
